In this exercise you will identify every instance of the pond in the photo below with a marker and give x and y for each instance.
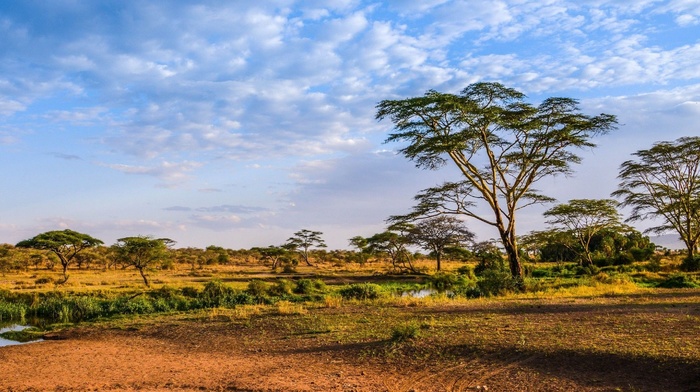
(13, 328)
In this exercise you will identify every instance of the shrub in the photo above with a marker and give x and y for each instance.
(654, 264)
(257, 288)
(443, 281)
(690, 264)
(191, 292)
(84, 308)
(308, 286)
(588, 270)
(466, 271)
(215, 293)
(678, 281)
(281, 288)
(602, 261)
(361, 291)
(134, 305)
(624, 259)
(639, 254)
(404, 332)
(494, 282)
(12, 311)
(541, 273)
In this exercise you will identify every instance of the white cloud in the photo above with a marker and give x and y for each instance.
(169, 172)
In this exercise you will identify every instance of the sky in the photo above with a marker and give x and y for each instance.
(238, 123)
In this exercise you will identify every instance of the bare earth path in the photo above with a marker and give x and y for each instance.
(526, 345)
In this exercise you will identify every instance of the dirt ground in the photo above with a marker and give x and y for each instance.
(262, 353)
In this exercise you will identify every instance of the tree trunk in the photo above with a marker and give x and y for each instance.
(145, 280)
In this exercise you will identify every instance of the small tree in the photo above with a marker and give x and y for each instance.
(65, 244)
(141, 252)
(360, 243)
(275, 254)
(664, 184)
(393, 242)
(584, 218)
(303, 241)
(436, 234)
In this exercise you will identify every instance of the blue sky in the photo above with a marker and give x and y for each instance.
(239, 123)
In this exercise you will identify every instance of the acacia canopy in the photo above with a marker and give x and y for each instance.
(141, 252)
(584, 218)
(500, 144)
(664, 184)
(65, 244)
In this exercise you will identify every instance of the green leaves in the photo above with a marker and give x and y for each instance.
(664, 184)
(500, 144)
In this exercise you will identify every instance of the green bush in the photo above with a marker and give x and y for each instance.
(466, 271)
(404, 332)
(639, 254)
(281, 288)
(679, 281)
(588, 270)
(494, 282)
(443, 281)
(690, 264)
(361, 291)
(602, 261)
(12, 311)
(308, 286)
(215, 293)
(541, 273)
(137, 305)
(654, 264)
(624, 259)
(257, 288)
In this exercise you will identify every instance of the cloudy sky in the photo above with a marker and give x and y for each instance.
(237, 123)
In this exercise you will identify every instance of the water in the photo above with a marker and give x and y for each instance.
(15, 327)
(423, 293)
(419, 293)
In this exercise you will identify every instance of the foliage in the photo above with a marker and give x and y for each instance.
(361, 291)
(583, 219)
(309, 286)
(438, 233)
(65, 244)
(393, 242)
(216, 293)
(303, 241)
(445, 281)
(496, 282)
(488, 122)
(489, 258)
(257, 288)
(405, 331)
(277, 255)
(664, 185)
(141, 252)
(690, 264)
(679, 281)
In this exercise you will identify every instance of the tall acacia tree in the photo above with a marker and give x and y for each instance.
(584, 218)
(501, 145)
(65, 244)
(141, 252)
(303, 241)
(664, 184)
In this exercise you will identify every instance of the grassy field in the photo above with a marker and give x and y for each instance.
(612, 331)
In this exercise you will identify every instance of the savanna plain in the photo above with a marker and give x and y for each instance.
(349, 326)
